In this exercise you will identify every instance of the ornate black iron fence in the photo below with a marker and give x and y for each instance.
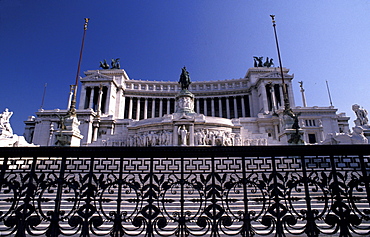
(185, 191)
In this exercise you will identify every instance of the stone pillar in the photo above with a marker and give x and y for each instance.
(70, 97)
(264, 98)
(120, 105)
(175, 136)
(243, 105)
(95, 133)
(191, 135)
(146, 108)
(82, 99)
(220, 107)
(281, 95)
(205, 106)
(153, 107)
(276, 127)
(252, 108)
(303, 97)
(168, 105)
(235, 108)
(198, 107)
(160, 107)
(273, 98)
(227, 107)
(130, 109)
(91, 97)
(109, 105)
(290, 95)
(98, 107)
(138, 109)
(213, 106)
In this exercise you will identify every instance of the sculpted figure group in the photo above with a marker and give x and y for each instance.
(5, 127)
(114, 64)
(151, 138)
(202, 137)
(185, 103)
(258, 62)
(212, 137)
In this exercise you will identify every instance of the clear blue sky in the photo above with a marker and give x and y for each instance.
(215, 39)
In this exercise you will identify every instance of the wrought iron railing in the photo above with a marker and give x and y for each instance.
(185, 191)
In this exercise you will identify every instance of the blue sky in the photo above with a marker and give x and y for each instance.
(215, 39)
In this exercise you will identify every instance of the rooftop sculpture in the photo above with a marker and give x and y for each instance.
(184, 79)
(5, 128)
(258, 62)
(361, 115)
(114, 64)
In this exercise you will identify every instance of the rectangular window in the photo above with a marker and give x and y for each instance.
(312, 138)
(310, 123)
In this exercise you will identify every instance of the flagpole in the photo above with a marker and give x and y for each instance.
(285, 93)
(43, 96)
(295, 138)
(327, 87)
(72, 109)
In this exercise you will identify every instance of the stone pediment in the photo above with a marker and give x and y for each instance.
(276, 75)
(97, 77)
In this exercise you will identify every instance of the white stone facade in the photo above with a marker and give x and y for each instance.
(115, 110)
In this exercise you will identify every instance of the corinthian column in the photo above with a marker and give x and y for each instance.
(153, 107)
(146, 108)
(205, 106)
(220, 107)
(235, 108)
(227, 107)
(243, 105)
(130, 109)
(160, 107)
(138, 109)
(213, 106)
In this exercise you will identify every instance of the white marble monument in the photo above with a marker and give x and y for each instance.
(7, 138)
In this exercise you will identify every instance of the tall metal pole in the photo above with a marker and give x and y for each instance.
(327, 87)
(43, 96)
(295, 138)
(285, 93)
(72, 109)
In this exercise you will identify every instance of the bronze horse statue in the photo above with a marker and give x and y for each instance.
(184, 79)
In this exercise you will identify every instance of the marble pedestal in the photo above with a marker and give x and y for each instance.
(292, 137)
(69, 134)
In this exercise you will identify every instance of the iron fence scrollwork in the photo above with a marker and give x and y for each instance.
(127, 194)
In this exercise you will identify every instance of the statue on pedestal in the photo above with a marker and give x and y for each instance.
(183, 133)
(5, 127)
(361, 115)
(184, 79)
